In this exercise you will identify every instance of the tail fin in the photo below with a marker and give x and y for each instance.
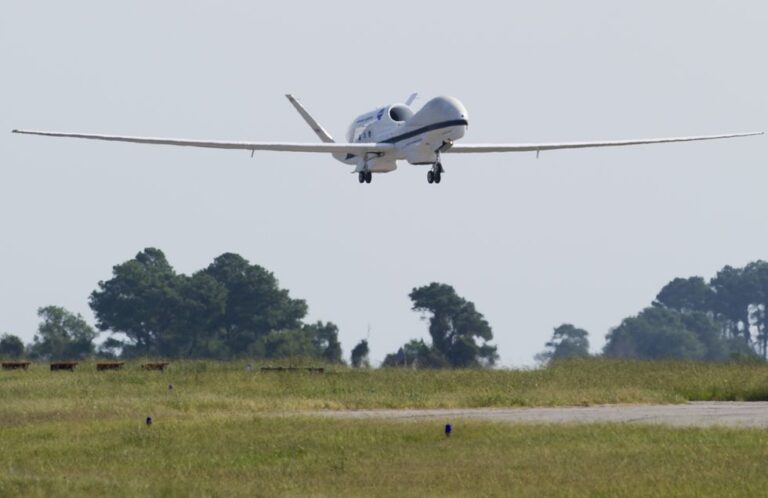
(319, 130)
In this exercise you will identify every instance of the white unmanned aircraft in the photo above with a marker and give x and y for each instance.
(378, 139)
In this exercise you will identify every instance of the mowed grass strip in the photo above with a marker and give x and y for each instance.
(213, 455)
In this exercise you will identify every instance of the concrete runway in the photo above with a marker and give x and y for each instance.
(701, 414)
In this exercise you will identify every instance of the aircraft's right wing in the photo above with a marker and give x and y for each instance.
(487, 148)
(331, 148)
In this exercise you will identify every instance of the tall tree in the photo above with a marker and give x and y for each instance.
(416, 354)
(735, 291)
(319, 340)
(141, 300)
(686, 294)
(255, 304)
(359, 356)
(231, 308)
(11, 346)
(62, 335)
(659, 333)
(757, 275)
(567, 342)
(200, 303)
(325, 339)
(455, 325)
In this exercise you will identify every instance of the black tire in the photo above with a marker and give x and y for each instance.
(439, 168)
(361, 177)
(438, 177)
(368, 177)
(430, 176)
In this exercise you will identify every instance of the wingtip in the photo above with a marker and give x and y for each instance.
(14, 130)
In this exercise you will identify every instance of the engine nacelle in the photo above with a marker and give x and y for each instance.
(379, 120)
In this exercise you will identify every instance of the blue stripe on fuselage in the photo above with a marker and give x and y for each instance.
(419, 131)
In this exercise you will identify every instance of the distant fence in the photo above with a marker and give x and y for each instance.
(293, 369)
(109, 365)
(159, 365)
(154, 365)
(16, 365)
(63, 365)
(71, 365)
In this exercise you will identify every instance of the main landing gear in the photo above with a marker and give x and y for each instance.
(364, 177)
(435, 174)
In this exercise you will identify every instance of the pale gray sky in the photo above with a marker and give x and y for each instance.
(586, 237)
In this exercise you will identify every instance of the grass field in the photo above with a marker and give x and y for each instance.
(220, 432)
(206, 455)
(230, 387)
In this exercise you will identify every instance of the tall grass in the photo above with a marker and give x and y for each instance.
(230, 387)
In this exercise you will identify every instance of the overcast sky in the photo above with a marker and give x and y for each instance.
(585, 236)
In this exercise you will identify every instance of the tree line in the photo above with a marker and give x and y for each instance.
(234, 309)
(725, 318)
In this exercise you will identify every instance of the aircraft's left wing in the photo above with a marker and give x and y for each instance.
(487, 148)
(331, 148)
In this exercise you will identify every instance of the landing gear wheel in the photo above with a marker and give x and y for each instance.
(368, 177)
(361, 177)
(438, 177)
(430, 176)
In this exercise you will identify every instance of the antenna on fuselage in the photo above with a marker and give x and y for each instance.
(411, 99)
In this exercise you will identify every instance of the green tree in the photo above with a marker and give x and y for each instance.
(359, 356)
(11, 346)
(325, 339)
(255, 304)
(686, 294)
(455, 325)
(416, 354)
(660, 333)
(287, 344)
(735, 291)
(62, 335)
(226, 310)
(567, 342)
(757, 275)
(199, 306)
(319, 340)
(141, 300)
(737, 298)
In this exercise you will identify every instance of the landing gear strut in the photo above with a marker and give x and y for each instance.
(435, 175)
(364, 177)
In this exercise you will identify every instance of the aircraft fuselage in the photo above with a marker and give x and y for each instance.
(417, 137)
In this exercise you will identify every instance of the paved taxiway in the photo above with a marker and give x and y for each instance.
(727, 414)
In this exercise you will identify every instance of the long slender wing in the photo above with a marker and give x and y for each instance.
(331, 148)
(486, 148)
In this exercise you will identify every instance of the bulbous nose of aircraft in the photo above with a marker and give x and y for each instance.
(452, 108)
(443, 109)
